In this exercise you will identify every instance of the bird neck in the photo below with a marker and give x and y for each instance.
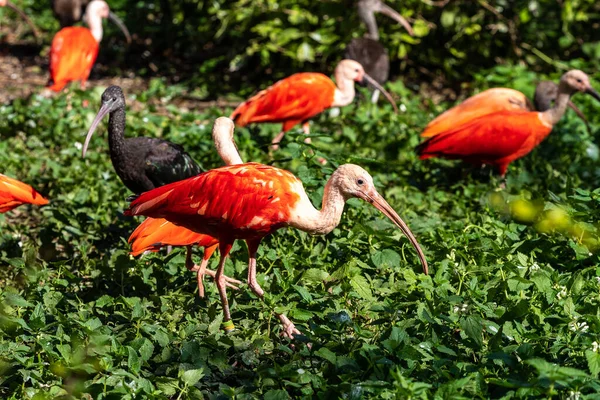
(116, 132)
(228, 151)
(95, 24)
(368, 18)
(554, 114)
(320, 222)
(344, 93)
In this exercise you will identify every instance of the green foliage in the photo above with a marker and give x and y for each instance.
(509, 310)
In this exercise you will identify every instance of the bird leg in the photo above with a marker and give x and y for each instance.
(201, 270)
(289, 329)
(306, 129)
(375, 96)
(221, 282)
(276, 140)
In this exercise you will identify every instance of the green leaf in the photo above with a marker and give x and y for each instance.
(327, 354)
(593, 360)
(276, 394)
(192, 376)
(315, 275)
(305, 52)
(360, 284)
(133, 360)
(473, 327)
(386, 258)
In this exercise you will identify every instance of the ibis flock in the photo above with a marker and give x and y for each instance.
(187, 206)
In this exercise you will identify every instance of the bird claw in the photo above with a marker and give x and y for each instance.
(229, 282)
(289, 329)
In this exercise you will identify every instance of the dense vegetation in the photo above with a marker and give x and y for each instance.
(511, 308)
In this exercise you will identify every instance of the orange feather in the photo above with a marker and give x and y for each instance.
(496, 139)
(291, 101)
(13, 193)
(233, 202)
(484, 103)
(72, 56)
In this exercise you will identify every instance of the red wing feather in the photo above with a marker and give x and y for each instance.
(487, 102)
(296, 98)
(13, 193)
(72, 56)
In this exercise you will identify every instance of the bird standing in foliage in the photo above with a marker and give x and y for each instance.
(74, 49)
(142, 163)
(298, 98)
(155, 233)
(500, 137)
(368, 51)
(495, 100)
(13, 193)
(250, 201)
(6, 3)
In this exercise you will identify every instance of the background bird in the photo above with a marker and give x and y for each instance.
(367, 50)
(74, 49)
(13, 193)
(142, 163)
(494, 100)
(501, 137)
(250, 201)
(6, 3)
(298, 98)
(155, 233)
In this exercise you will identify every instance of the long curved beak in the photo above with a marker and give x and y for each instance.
(105, 109)
(117, 21)
(579, 114)
(382, 90)
(390, 12)
(379, 202)
(593, 93)
(25, 17)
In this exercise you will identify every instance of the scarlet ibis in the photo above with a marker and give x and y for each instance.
(6, 3)
(13, 193)
(69, 12)
(154, 233)
(299, 97)
(142, 163)
(367, 50)
(249, 201)
(500, 137)
(494, 100)
(74, 49)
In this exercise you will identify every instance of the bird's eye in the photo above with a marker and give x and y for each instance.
(360, 181)
(578, 80)
(356, 70)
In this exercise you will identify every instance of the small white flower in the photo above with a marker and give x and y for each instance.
(105, 175)
(573, 395)
(595, 346)
(300, 371)
(145, 119)
(402, 108)
(598, 279)
(78, 146)
(562, 293)
(534, 267)
(578, 326)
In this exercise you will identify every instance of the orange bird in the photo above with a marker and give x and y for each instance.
(6, 3)
(494, 100)
(74, 49)
(154, 233)
(250, 201)
(13, 193)
(499, 137)
(298, 98)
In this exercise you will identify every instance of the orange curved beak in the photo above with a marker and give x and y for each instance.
(382, 90)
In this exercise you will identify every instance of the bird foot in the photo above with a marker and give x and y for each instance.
(289, 329)
(201, 271)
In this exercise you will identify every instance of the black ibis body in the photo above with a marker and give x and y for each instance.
(142, 163)
(69, 12)
(367, 50)
(6, 3)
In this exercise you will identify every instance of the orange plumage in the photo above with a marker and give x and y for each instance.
(496, 139)
(13, 193)
(72, 56)
(245, 201)
(484, 103)
(291, 101)
(154, 233)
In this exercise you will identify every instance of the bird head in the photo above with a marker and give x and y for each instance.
(95, 11)
(577, 81)
(354, 181)
(367, 10)
(351, 70)
(112, 100)
(546, 93)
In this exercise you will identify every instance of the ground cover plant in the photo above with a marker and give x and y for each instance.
(510, 309)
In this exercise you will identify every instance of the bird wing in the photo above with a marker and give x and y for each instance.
(72, 55)
(490, 138)
(298, 97)
(13, 193)
(484, 103)
(238, 201)
(166, 162)
(154, 233)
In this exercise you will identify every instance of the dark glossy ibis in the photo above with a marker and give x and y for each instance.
(367, 50)
(142, 163)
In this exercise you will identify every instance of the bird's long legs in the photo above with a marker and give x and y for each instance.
(306, 129)
(375, 96)
(221, 282)
(201, 269)
(289, 329)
